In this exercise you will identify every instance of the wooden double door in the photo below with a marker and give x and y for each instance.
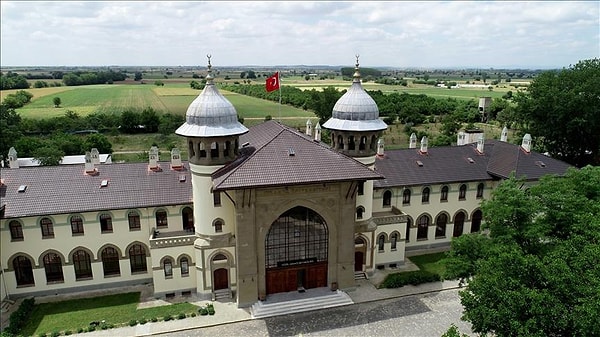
(285, 279)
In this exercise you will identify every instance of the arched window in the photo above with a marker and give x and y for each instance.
(408, 226)
(425, 195)
(82, 264)
(406, 197)
(23, 271)
(476, 221)
(359, 212)
(53, 268)
(394, 240)
(161, 219)
(214, 150)
(363, 143)
(423, 227)
(110, 261)
(106, 223)
(480, 187)
(351, 143)
(298, 234)
(218, 224)
(201, 150)
(340, 141)
(381, 242)
(459, 221)
(185, 266)
(168, 268)
(462, 192)
(137, 258)
(220, 257)
(134, 221)
(440, 225)
(387, 198)
(47, 228)
(444, 194)
(16, 231)
(227, 150)
(187, 218)
(76, 225)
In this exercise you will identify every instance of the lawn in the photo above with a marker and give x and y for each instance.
(430, 262)
(116, 310)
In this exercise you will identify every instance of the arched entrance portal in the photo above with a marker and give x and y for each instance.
(360, 249)
(296, 251)
(220, 278)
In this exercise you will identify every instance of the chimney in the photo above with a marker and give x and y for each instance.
(504, 135)
(460, 140)
(526, 144)
(13, 161)
(89, 164)
(176, 159)
(95, 156)
(318, 132)
(413, 142)
(380, 147)
(309, 128)
(153, 158)
(424, 144)
(480, 143)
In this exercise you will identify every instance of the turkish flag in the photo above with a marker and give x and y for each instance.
(272, 83)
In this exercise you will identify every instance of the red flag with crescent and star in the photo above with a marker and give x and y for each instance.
(272, 83)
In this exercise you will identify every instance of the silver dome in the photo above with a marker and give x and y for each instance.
(355, 110)
(211, 114)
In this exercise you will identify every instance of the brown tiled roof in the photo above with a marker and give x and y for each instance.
(449, 164)
(507, 158)
(67, 189)
(277, 155)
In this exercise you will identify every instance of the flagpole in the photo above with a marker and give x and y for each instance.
(279, 82)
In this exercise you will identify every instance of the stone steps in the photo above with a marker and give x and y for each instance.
(262, 309)
(360, 275)
(222, 294)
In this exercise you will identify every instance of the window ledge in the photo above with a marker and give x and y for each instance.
(17, 240)
(26, 285)
(422, 239)
(77, 234)
(440, 237)
(185, 275)
(55, 282)
(135, 229)
(168, 277)
(112, 275)
(47, 237)
(106, 232)
(87, 278)
(139, 272)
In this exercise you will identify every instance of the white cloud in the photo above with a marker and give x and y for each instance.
(401, 34)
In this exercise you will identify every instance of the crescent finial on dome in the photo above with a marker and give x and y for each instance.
(209, 75)
(356, 75)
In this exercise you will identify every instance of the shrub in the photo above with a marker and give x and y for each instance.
(154, 319)
(193, 314)
(168, 318)
(181, 315)
(132, 322)
(203, 311)
(19, 318)
(143, 321)
(80, 330)
(91, 328)
(68, 332)
(398, 280)
(55, 334)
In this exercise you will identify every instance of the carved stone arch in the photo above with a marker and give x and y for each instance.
(85, 249)
(364, 239)
(466, 213)
(162, 260)
(8, 223)
(146, 249)
(51, 251)
(102, 213)
(227, 254)
(396, 232)
(15, 255)
(181, 256)
(46, 216)
(99, 254)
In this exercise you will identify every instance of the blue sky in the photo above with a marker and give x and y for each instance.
(532, 34)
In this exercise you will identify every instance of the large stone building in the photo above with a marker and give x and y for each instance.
(253, 211)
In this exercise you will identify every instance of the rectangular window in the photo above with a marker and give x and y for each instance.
(134, 221)
(16, 231)
(161, 219)
(217, 198)
(106, 223)
(47, 228)
(168, 269)
(361, 188)
(76, 225)
(185, 270)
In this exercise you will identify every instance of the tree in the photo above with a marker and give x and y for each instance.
(536, 272)
(99, 141)
(137, 76)
(56, 101)
(561, 111)
(10, 129)
(48, 155)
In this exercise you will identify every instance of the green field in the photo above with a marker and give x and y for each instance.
(172, 99)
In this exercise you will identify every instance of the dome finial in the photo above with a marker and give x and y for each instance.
(356, 71)
(209, 75)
